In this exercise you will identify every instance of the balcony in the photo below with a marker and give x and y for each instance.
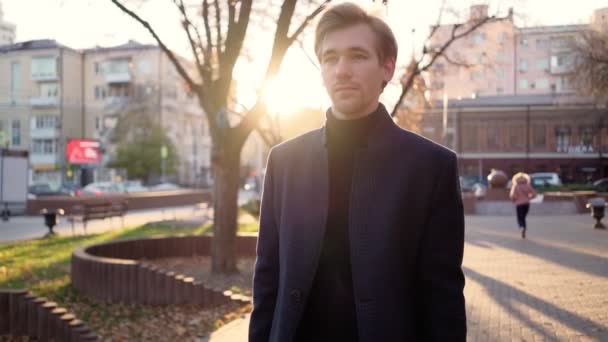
(118, 77)
(45, 133)
(44, 76)
(44, 102)
(561, 69)
(44, 159)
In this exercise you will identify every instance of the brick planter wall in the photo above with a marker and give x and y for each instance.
(143, 200)
(117, 272)
(23, 314)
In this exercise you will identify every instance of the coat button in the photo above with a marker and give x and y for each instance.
(296, 296)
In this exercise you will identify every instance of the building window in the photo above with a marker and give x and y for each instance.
(501, 56)
(15, 81)
(44, 66)
(49, 90)
(500, 91)
(97, 68)
(542, 43)
(16, 133)
(562, 42)
(564, 83)
(97, 123)
(492, 137)
(562, 136)
(523, 65)
(500, 73)
(470, 138)
(516, 138)
(542, 64)
(523, 84)
(539, 136)
(47, 121)
(479, 38)
(542, 83)
(117, 66)
(97, 93)
(523, 42)
(44, 146)
(587, 139)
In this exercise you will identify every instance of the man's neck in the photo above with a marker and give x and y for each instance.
(338, 115)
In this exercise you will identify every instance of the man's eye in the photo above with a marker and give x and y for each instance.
(360, 56)
(329, 59)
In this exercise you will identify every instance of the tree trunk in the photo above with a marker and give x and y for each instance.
(225, 193)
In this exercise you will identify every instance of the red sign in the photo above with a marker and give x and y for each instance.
(81, 151)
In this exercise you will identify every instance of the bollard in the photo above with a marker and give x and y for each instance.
(598, 207)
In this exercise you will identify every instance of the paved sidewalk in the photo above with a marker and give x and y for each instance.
(552, 286)
(32, 227)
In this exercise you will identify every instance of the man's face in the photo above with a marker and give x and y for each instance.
(351, 71)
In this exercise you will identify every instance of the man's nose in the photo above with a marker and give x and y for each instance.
(343, 68)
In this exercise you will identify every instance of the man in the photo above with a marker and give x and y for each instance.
(361, 226)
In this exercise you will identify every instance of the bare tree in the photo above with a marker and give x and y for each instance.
(591, 64)
(411, 81)
(216, 33)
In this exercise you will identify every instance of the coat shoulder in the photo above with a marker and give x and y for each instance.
(424, 146)
(297, 144)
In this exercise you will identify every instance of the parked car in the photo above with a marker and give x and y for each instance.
(601, 185)
(41, 189)
(544, 179)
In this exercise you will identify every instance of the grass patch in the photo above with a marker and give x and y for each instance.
(43, 265)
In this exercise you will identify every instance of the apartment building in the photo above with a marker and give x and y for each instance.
(514, 108)
(7, 30)
(138, 77)
(41, 103)
(50, 94)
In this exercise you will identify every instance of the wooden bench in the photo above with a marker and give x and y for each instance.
(98, 210)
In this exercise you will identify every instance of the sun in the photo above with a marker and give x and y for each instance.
(279, 97)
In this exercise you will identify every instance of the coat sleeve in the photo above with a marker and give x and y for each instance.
(441, 305)
(266, 273)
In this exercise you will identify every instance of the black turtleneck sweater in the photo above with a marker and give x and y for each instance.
(330, 313)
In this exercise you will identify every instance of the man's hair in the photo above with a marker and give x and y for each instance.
(344, 15)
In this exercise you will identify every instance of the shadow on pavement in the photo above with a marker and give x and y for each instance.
(576, 260)
(496, 290)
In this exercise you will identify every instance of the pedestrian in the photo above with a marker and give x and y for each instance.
(361, 227)
(521, 193)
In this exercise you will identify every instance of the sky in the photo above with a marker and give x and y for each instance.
(87, 23)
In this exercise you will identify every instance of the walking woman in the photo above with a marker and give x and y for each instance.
(521, 194)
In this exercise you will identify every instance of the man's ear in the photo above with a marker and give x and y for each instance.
(389, 69)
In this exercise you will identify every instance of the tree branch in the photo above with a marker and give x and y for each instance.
(209, 48)
(218, 28)
(306, 21)
(193, 45)
(168, 52)
(415, 69)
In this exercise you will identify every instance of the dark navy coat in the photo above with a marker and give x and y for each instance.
(406, 228)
